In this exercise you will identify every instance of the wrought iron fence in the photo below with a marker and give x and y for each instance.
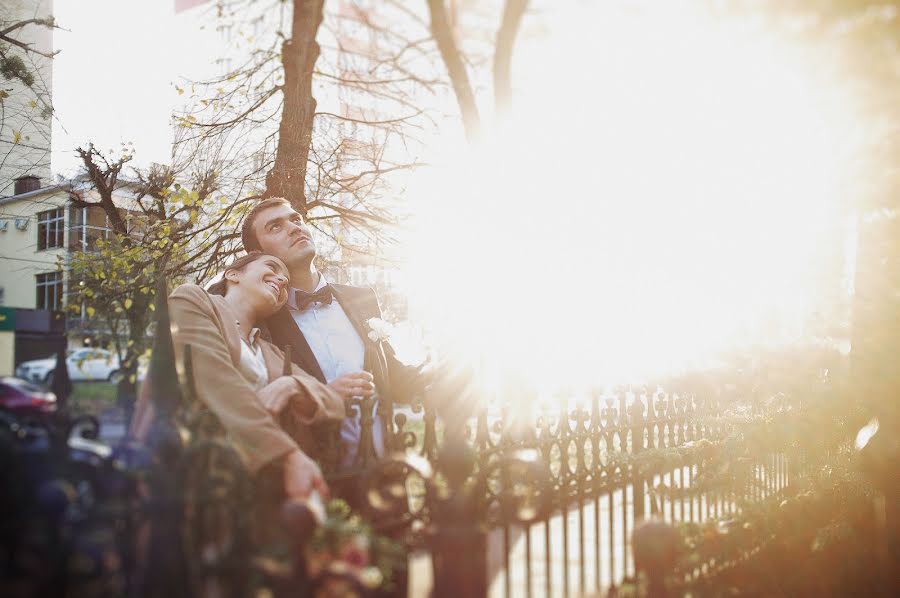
(556, 499)
(507, 505)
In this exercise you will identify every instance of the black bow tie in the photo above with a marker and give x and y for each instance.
(303, 300)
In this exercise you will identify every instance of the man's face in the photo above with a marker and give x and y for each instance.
(281, 232)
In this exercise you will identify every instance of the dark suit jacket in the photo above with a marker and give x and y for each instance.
(393, 380)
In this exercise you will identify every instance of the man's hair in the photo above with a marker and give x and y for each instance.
(220, 287)
(248, 235)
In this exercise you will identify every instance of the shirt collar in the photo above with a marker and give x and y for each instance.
(253, 337)
(292, 296)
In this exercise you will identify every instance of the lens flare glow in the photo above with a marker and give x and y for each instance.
(668, 189)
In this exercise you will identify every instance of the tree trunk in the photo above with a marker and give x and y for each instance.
(459, 78)
(298, 56)
(506, 38)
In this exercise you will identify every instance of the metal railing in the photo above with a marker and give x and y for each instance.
(509, 506)
(555, 501)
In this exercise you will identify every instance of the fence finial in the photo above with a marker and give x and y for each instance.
(162, 371)
(656, 546)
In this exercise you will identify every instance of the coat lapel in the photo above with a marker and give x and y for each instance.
(357, 312)
(284, 331)
(351, 307)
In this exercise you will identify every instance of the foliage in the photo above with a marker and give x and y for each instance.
(12, 49)
(821, 536)
(156, 227)
(25, 103)
(345, 545)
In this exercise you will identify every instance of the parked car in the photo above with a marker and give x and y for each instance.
(84, 364)
(23, 397)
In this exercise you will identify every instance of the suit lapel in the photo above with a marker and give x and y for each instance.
(351, 307)
(357, 313)
(353, 302)
(284, 331)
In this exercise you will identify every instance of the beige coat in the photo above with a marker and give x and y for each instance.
(207, 324)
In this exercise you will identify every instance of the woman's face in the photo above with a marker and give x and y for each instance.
(264, 281)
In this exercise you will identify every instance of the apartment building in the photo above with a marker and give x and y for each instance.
(25, 118)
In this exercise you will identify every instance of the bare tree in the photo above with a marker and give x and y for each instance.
(157, 227)
(338, 154)
(331, 108)
(450, 53)
(441, 29)
(299, 54)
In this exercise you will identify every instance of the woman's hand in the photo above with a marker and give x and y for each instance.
(356, 384)
(302, 476)
(276, 395)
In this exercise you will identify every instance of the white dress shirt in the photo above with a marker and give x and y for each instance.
(252, 365)
(339, 350)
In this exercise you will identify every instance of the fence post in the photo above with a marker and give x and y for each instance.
(163, 573)
(656, 547)
(638, 424)
(458, 536)
(62, 384)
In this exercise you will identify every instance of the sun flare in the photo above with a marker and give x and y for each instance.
(675, 194)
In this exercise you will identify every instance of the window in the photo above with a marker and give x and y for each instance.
(49, 290)
(51, 227)
(88, 225)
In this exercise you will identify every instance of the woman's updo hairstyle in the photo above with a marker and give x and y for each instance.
(221, 286)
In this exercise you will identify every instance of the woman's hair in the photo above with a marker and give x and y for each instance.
(221, 286)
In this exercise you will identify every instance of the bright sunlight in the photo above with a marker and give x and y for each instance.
(670, 196)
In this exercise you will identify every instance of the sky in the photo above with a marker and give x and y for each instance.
(113, 77)
(735, 142)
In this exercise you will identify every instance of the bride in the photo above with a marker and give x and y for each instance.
(238, 375)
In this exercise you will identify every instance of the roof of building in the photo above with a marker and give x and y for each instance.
(65, 186)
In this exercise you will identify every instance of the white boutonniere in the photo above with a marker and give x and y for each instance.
(379, 330)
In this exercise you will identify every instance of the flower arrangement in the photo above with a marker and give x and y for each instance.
(345, 555)
(379, 330)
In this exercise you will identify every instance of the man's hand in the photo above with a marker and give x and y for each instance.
(302, 476)
(356, 384)
(276, 395)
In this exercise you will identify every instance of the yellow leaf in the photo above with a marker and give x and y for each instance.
(17, 137)
(90, 312)
(128, 303)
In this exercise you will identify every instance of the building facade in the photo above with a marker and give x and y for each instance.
(34, 239)
(25, 119)
(39, 231)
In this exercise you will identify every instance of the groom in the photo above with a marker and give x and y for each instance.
(327, 327)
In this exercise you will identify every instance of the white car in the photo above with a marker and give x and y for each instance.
(84, 364)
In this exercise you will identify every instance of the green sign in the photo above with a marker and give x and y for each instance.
(7, 318)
